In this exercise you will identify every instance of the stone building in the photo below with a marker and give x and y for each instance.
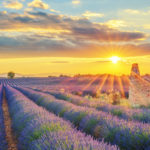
(135, 70)
(139, 90)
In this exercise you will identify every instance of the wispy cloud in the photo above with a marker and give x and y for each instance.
(90, 14)
(135, 19)
(38, 4)
(116, 23)
(132, 11)
(102, 61)
(137, 12)
(73, 28)
(76, 2)
(59, 62)
(51, 34)
(12, 4)
(55, 11)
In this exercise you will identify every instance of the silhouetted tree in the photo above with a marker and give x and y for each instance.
(11, 75)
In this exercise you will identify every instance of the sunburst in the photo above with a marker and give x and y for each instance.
(115, 59)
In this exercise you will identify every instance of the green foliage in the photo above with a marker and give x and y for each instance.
(61, 114)
(53, 127)
(78, 118)
(117, 112)
(11, 75)
(90, 125)
(63, 96)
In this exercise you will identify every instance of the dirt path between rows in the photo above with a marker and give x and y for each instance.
(10, 138)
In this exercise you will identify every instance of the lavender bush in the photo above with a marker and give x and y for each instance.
(141, 115)
(128, 135)
(37, 129)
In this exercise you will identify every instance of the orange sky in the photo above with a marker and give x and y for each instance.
(44, 37)
(44, 66)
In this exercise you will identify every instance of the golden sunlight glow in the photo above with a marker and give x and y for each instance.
(114, 59)
(59, 65)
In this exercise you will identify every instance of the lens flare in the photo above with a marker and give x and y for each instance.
(114, 59)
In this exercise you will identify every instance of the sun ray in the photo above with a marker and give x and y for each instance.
(121, 86)
(89, 84)
(101, 84)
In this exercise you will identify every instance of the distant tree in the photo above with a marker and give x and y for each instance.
(51, 76)
(61, 75)
(11, 75)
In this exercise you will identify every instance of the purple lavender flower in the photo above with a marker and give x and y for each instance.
(37, 129)
(130, 135)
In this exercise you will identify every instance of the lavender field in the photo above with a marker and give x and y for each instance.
(74, 75)
(51, 114)
(81, 85)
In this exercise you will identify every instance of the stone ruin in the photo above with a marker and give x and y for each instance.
(135, 70)
(139, 90)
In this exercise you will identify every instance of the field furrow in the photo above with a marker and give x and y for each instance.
(10, 137)
(3, 128)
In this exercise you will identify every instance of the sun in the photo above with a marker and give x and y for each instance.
(114, 59)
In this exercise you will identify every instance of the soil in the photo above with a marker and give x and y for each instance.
(10, 137)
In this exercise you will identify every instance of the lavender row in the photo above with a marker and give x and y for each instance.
(3, 143)
(37, 129)
(126, 134)
(141, 115)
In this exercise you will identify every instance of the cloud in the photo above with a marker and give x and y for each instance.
(76, 2)
(38, 4)
(8, 41)
(23, 19)
(89, 14)
(137, 12)
(102, 61)
(106, 34)
(116, 23)
(135, 20)
(65, 27)
(80, 28)
(50, 34)
(27, 45)
(55, 11)
(28, 9)
(12, 4)
(132, 11)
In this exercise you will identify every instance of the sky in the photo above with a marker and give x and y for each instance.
(44, 37)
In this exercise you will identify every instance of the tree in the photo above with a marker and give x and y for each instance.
(11, 75)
